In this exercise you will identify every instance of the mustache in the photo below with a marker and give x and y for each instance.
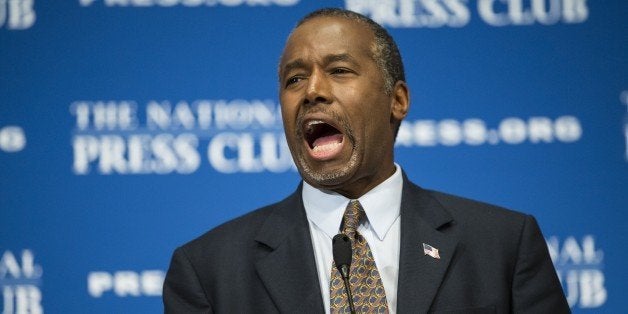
(339, 119)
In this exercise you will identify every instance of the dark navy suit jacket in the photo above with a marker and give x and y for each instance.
(492, 260)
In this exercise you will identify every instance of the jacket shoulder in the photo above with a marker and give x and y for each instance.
(234, 236)
(464, 207)
(477, 223)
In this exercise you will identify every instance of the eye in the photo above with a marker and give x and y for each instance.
(293, 80)
(340, 71)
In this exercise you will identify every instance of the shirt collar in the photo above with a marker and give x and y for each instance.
(381, 204)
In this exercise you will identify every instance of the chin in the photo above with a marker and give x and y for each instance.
(328, 179)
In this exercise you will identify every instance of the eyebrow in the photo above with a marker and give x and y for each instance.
(300, 63)
(294, 64)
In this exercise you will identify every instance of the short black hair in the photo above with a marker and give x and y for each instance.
(385, 51)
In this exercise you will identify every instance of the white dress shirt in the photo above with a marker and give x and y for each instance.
(381, 230)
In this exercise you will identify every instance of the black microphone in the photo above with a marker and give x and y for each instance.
(342, 258)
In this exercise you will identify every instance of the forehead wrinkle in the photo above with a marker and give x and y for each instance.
(328, 59)
(340, 57)
(371, 50)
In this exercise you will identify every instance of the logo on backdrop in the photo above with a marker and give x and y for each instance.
(458, 13)
(126, 283)
(624, 99)
(12, 139)
(187, 3)
(20, 280)
(580, 267)
(246, 136)
(161, 137)
(476, 132)
(17, 14)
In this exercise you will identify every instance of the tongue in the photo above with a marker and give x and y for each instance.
(327, 140)
(327, 147)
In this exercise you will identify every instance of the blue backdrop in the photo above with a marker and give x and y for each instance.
(128, 127)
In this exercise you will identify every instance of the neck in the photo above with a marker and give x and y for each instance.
(361, 186)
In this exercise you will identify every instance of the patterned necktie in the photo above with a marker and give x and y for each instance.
(366, 285)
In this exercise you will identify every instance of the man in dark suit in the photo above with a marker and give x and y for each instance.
(343, 95)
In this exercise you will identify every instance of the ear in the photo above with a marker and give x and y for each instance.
(400, 102)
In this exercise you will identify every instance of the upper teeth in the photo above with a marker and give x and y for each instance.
(309, 126)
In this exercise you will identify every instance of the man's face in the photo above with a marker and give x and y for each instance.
(339, 121)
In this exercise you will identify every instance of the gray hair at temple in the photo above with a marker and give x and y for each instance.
(385, 52)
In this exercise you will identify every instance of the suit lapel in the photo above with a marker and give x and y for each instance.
(287, 265)
(420, 275)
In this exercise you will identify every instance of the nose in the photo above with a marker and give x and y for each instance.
(318, 89)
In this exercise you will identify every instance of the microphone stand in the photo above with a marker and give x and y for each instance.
(344, 271)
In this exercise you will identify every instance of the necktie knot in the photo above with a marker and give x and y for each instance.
(351, 219)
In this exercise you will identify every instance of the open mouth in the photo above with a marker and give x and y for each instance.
(324, 139)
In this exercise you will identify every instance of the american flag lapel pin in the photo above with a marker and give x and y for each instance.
(431, 251)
